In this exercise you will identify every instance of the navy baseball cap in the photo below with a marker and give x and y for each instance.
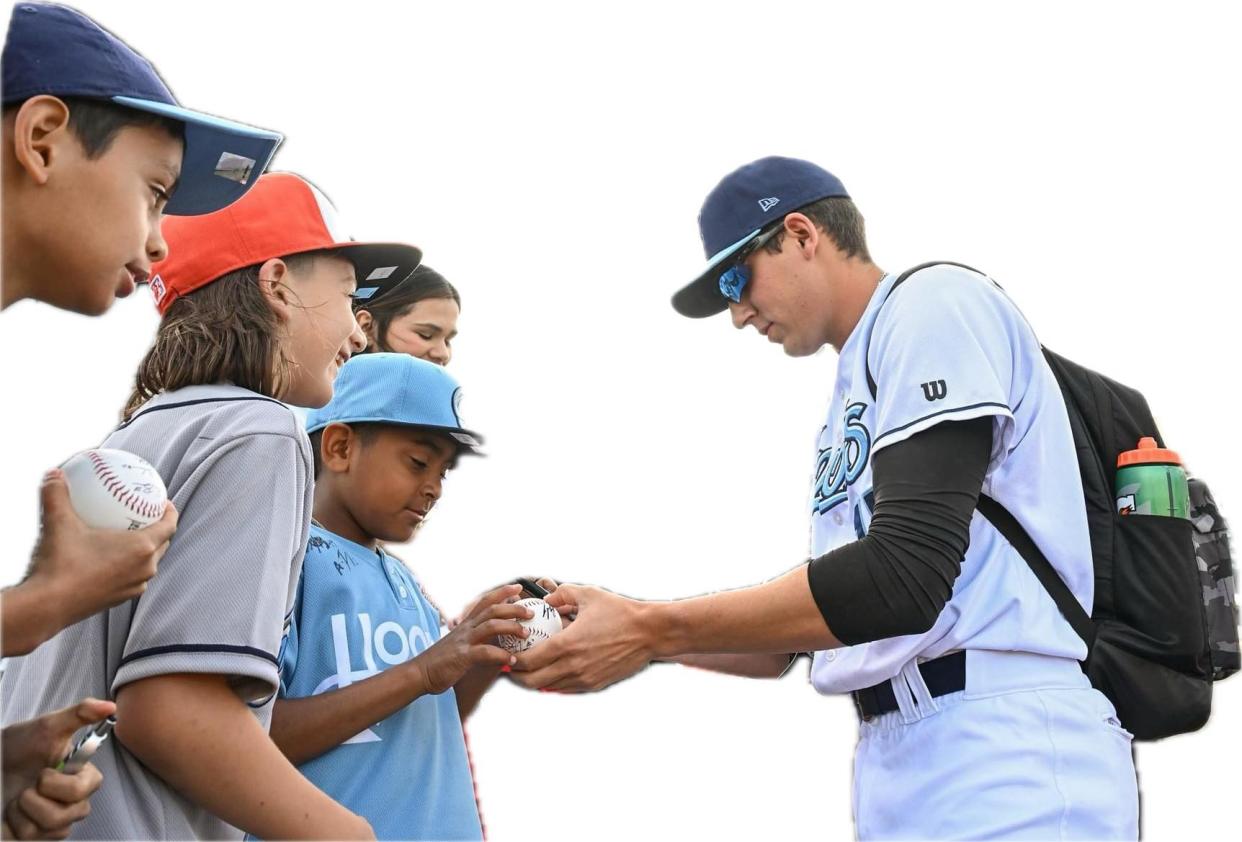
(59, 51)
(745, 202)
(396, 389)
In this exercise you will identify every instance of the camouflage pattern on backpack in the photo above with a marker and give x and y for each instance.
(1220, 601)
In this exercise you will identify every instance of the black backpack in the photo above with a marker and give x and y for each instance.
(1164, 625)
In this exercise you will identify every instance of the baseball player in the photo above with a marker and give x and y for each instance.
(976, 719)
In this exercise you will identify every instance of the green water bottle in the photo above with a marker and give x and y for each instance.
(1152, 481)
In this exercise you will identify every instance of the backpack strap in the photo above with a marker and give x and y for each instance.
(1007, 525)
(900, 280)
(1000, 517)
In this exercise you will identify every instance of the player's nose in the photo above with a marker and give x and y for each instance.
(740, 313)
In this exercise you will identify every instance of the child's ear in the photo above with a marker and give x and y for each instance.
(273, 283)
(40, 132)
(367, 322)
(335, 445)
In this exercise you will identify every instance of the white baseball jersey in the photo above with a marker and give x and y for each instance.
(950, 346)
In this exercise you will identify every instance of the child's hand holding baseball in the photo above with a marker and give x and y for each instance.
(472, 642)
(77, 571)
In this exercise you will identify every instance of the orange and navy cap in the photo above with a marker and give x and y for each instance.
(283, 214)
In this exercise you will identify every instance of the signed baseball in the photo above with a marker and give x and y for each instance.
(113, 489)
(545, 623)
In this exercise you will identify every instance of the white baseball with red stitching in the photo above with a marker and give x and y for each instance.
(545, 623)
(114, 489)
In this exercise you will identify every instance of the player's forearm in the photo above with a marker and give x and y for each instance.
(31, 614)
(747, 666)
(195, 733)
(472, 687)
(306, 727)
(779, 616)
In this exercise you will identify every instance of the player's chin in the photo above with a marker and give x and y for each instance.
(793, 348)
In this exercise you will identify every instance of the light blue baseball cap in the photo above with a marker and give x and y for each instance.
(396, 389)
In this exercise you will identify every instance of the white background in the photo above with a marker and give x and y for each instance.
(551, 162)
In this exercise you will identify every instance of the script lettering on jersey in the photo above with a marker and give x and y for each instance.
(389, 642)
(935, 390)
(838, 467)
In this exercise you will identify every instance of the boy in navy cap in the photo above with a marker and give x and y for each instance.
(367, 681)
(96, 149)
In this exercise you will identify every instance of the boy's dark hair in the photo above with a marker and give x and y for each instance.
(839, 218)
(364, 432)
(97, 122)
(424, 282)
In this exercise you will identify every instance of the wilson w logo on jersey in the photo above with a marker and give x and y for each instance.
(935, 390)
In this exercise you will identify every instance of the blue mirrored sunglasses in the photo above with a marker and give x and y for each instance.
(734, 279)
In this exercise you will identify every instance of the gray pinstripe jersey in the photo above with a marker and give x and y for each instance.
(238, 467)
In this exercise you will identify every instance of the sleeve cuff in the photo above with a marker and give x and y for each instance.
(253, 672)
(962, 413)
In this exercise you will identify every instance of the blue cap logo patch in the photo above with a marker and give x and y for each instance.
(457, 405)
(768, 203)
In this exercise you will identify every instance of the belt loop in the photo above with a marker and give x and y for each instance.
(858, 696)
(905, 702)
(922, 696)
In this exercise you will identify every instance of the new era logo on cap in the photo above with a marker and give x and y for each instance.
(768, 203)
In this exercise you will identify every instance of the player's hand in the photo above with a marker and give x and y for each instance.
(472, 642)
(566, 610)
(77, 571)
(607, 642)
(547, 584)
(39, 802)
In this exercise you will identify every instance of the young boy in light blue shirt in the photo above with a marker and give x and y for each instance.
(368, 708)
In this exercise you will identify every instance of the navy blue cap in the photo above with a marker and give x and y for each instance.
(741, 205)
(396, 389)
(59, 51)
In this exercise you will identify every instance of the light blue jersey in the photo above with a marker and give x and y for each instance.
(359, 611)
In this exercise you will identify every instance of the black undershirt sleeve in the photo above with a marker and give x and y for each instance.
(897, 579)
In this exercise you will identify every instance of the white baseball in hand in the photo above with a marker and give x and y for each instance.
(114, 489)
(545, 623)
